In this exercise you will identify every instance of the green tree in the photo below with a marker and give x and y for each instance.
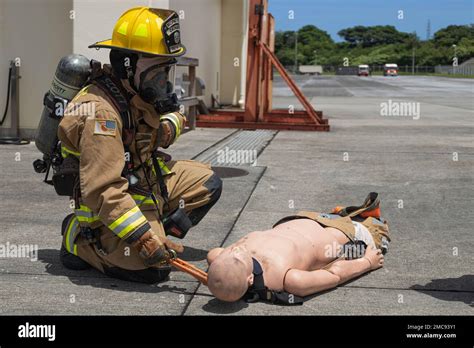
(452, 34)
(375, 45)
(372, 36)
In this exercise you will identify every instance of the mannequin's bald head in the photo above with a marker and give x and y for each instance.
(230, 274)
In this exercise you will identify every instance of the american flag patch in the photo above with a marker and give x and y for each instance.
(105, 127)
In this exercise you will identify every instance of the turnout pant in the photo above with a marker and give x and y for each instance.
(189, 182)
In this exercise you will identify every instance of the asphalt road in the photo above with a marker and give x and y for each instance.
(421, 164)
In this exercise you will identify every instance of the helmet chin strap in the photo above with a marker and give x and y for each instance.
(128, 85)
(129, 80)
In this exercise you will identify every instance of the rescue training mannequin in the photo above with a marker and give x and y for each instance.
(129, 195)
(301, 255)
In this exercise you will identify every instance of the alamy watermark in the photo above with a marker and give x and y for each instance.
(8, 250)
(28, 330)
(400, 109)
(76, 109)
(237, 157)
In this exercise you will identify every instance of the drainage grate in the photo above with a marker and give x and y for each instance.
(241, 149)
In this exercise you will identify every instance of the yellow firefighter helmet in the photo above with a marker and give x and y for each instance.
(146, 30)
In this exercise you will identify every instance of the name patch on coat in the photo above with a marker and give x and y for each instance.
(105, 127)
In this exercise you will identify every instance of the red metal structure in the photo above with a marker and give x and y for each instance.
(258, 99)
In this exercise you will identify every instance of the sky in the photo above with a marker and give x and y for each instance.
(334, 15)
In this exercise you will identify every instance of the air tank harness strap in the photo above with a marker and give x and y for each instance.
(159, 176)
(120, 99)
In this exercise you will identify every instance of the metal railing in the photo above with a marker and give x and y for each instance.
(455, 70)
(466, 70)
(190, 101)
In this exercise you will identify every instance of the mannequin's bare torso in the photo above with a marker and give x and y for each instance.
(300, 244)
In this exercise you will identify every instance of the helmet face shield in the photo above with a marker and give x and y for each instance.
(155, 85)
(154, 80)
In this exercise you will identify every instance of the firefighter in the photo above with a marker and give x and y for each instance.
(129, 195)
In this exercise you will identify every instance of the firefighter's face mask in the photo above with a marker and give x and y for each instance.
(153, 80)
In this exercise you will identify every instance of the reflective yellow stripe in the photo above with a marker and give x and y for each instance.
(87, 219)
(164, 169)
(142, 200)
(173, 118)
(71, 236)
(141, 30)
(124, 217)
(163, 166)
(128, 222)
(138, 199)
(123, 28)
(132, 226)
(85, 214)
(66, 152)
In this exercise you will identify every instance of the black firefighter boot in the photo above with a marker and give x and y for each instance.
(69, 260)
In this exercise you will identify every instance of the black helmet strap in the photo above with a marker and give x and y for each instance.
(124, 64)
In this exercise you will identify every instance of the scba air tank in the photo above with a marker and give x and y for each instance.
(71, 75)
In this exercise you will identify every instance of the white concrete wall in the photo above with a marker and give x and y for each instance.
(201, 27)
(39, 32)
(201, 34)
(231, 50)
(95, 20)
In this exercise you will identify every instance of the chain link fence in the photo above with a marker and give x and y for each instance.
(465, 70)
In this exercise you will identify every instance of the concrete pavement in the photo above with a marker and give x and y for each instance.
(422, 168)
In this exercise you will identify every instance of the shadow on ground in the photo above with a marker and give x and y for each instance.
(193, 254)
(446, 289)
(92, 277)
(229, 172)
(216, 306)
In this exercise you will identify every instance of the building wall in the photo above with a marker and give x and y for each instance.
(95, 20)
(39, 33)
(231, 50)
(201, 34)
(200, 25)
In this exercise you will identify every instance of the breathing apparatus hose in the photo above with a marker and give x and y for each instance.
(10, 140)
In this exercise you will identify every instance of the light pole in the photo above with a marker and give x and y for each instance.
(314, 59)
(296, 51)
(414, 43)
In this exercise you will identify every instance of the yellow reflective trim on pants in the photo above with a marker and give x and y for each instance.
(128, 222)
(142, 200)
(87, 219)
(66, 152)
(163, 166)
(164, 169)
(173, 118)
(71, 236)
(85, 214)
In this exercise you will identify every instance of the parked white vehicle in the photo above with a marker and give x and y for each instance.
(390, 70)
(364, 70)
(311, 69)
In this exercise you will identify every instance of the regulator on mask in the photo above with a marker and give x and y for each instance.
(153, 81)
